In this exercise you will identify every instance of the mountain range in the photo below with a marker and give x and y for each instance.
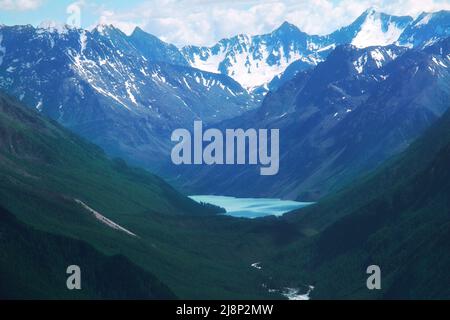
(364, 122)
(108, 88)
(255, 61)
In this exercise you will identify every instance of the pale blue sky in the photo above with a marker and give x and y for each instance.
(204, 22)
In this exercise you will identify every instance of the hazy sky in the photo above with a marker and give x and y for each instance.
(203, 22)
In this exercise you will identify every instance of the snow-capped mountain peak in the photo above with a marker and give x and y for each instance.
(379, 29)
(54, 27)
(254, 61)
(105, 29)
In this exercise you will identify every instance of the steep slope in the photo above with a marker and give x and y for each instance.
(336, 125)
(43, 169)
(65, 191)
(397, 218)
(426, 29)
(102, 86)
(372, 28)
(33, 266)
(53, 153)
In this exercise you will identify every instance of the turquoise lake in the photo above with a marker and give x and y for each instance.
(251, 207)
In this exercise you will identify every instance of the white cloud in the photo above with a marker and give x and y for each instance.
(20, 5)
(203, 22)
